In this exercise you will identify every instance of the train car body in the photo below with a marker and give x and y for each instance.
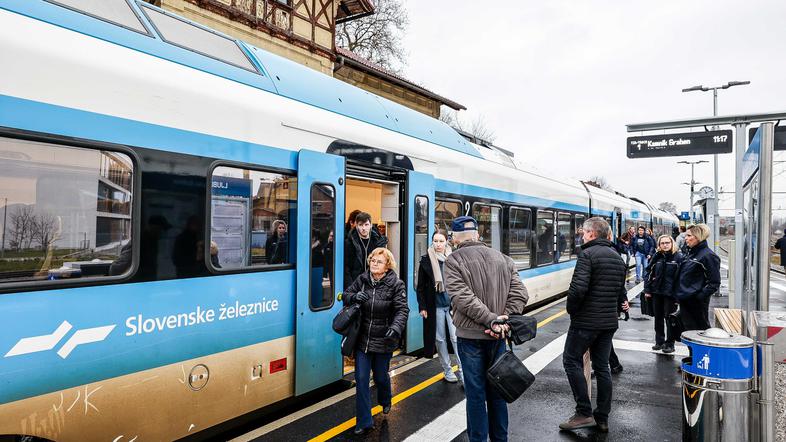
(185, 196)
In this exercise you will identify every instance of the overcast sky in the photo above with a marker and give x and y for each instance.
(558, 80)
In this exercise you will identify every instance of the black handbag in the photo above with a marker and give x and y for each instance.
(508, 376)
(346, 317)
(522, 328)
(675, 325)
(350, 339)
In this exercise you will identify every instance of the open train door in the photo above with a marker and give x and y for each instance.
(420, 226)
(320, 221)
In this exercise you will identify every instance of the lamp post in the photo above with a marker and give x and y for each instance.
(692, 184)
(714, 89)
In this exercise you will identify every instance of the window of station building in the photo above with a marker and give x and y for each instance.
(544, 231)
(489, 224)
(444, 213)
(421, 230)
(519, 236)
(189, 36)
(66, 212)
(565, 238)
(252, 218)
(323, 222)
(578, 237)
(118, 12)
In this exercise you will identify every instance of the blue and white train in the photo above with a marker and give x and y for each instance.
(173, 205)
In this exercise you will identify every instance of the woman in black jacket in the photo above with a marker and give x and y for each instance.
(434, 306)
(699, 279)
(276, 244)
(383, 318)
(659, 286)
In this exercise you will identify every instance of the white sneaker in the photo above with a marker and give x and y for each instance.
(450, 377)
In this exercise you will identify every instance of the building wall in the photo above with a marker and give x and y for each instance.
(318, 60)
(388, 90)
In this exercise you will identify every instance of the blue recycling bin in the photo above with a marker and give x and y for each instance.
(717, 379)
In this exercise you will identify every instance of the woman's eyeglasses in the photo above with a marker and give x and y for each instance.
(378, 261)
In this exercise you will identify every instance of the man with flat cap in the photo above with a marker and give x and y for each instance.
(484, 286)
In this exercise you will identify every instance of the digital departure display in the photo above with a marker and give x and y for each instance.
(673, 145)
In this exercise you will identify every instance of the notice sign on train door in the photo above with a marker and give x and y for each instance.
(674, 145)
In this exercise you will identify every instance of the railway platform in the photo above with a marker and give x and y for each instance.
(647, 401)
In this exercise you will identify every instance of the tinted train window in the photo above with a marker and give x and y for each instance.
(323, 222)
(421, 230)
(489, 224)
(444, 213)
(519, 236)
(192, 37)
(66, 212)
(545, 237)
(564, 236)
(118, 12)
(578, 237)
(251, 218)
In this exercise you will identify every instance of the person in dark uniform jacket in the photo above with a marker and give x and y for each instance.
(699, 279)
(659, 286)
(781, 245)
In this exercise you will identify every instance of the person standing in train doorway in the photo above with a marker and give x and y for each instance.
(484, 287)
(358, 244)
(434, 306)
(643, 247)
(596, 291)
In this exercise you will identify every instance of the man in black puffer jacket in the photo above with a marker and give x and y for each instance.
(596, 291)
(360, 241)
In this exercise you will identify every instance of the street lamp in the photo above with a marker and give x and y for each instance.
(714, 89)
(692, 184)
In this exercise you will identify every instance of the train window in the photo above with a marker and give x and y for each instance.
(421, 230)
(323, 221)
(251, 218)
(564, 236)
(519, 236)
(192, 37)
(117, 12)
(489, 224)
(66, 212)
(579, 235)
(445, 212)
(544, 229)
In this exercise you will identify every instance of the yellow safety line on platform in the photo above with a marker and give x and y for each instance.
(338, 429)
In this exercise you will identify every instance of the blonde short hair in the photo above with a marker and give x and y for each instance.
(391, 264)
(700, 231)
(673, 244)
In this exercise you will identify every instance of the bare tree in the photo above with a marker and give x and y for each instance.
(44, 229)
(599, 182)
(21, 227)
(481, 130)
(668, 206)
(377, 37)
(478, 127)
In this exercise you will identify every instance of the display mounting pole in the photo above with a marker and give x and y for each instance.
(715, 216)
(765, 211)
(739, 237)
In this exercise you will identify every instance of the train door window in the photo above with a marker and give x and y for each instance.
(444, 213)
(564, 236)
(66, 211)
(489, 224)
(519, 236)
(251, 218)
(544, 229)
(118, 12)
(421, 230)
(323, 220)
(189, 36)
(578, 234)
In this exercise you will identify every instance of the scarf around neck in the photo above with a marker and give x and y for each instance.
(435, 258)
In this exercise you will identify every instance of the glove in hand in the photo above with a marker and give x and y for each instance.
(360, 297)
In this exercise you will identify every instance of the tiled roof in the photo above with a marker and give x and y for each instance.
(349, 58)
(351, 9)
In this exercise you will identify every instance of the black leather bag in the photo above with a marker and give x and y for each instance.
(350, 339)
(508, 376)
(522, 328)
(345, 318)
(675, 325)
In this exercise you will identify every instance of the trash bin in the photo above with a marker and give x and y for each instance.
(717, 379)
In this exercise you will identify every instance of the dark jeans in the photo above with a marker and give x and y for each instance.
(598, 342)
(663, 306)
(487, 412)
(694, 313)
(379, 363)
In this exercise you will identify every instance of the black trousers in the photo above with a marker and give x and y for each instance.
(695, 313)
(663, 307)
(598, 342)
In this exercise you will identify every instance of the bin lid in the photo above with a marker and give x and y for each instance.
(716, 337)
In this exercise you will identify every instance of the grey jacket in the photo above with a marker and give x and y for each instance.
(482, 284)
